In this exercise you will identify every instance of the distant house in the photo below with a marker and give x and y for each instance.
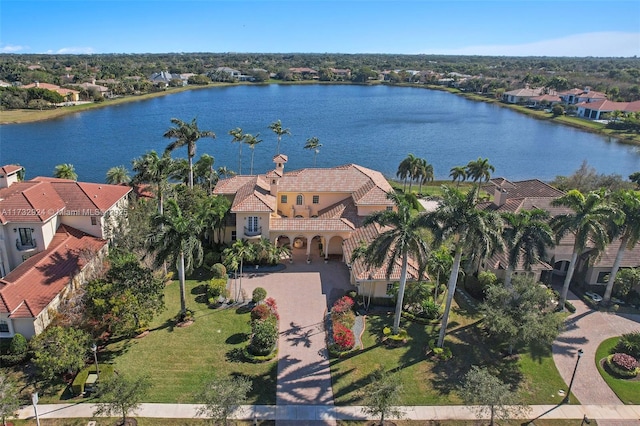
(575, 96)
(305, 73)
(595, 110)
(69, 95)
(514, 197)
(163, 78)
(53, 232)
(344, 74)
(104, 91)
(521, 96)
(545, 99)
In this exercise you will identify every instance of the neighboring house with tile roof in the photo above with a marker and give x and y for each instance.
(595, 110)
(69, 95)
(312, 209)
(50, 231)
(529, 194)
(523, 95)
(575, 96)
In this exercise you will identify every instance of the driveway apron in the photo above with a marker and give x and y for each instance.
(586, 329)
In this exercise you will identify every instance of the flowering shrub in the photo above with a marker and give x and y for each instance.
(343, 337)
(271, 303)
(624, 361)
(260, 312)
(342, 305)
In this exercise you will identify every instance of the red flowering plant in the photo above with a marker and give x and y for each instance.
(624, 361)
(343, 337)
(271, 303)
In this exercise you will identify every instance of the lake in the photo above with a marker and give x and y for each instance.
(372, 126)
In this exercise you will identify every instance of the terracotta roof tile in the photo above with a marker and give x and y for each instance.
(29, 288)
(358, 268)
(310, 225)
(10, 169)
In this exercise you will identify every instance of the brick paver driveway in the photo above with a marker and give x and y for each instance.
(302, 293)
(586, 329)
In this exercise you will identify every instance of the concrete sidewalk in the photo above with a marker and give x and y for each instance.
(328, 414)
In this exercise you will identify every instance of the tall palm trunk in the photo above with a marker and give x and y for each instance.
(451, 290)
(240, 284)
(614, 269)
(569, 277)
(190, 172)
(183, 292)
(399, 303)
(435, 293)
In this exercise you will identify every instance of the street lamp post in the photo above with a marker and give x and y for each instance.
(34, 401)
(94, 349)
(573, 376)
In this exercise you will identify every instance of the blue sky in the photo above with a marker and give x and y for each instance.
(471, 27)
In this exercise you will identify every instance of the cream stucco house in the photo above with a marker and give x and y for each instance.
(317, 210)
(52, 233)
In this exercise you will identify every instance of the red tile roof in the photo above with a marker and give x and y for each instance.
(10, 169)
(358, 268)
(606, 105)
(27, 290)
(38, 199)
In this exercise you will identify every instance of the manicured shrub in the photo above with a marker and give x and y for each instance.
(343, 337)
(19, 345)
(258, 295)
(218, 270)
(344, 304)
(209, 259)
(216, 287)
(352, 294)
(260, 312)
(264, 337)
(77, 386)
(629, 344)
(623, 365)
(569, 306)
(430, 309)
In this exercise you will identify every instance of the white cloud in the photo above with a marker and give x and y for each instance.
(603, 44)
(72, 51)
(10, 48)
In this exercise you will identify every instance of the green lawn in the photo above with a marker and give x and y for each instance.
(627, 390)
(180, 360)
(429, 382)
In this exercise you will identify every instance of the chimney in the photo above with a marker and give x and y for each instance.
(500, 196)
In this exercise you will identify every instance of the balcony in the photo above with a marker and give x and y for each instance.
(30, 245)
(253, 231)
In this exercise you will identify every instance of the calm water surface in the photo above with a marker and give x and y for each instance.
(372, 126)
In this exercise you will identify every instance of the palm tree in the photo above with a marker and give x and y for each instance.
(204, 172)
(65, 171)
(276, 127)
(313, 143)
(186, 134)
(118, 175)
(527, 234)
(400, 238)
(153, 169)
(176, 236)
(628, 230)
(479, 170)
(225, 172)
(238, 137)
(469, 230)
(239, 251)
(407, 169)
(590, 220)
(439, 263)
(252, 141)
(425, 173)
(458, 174)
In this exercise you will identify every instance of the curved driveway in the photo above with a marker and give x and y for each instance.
(586, 329)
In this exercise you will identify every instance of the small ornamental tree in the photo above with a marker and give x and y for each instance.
(221, 396)
(264, 337)
(382, 395)
(9, 402)
(120, 395)
(58, 350)
(258, 295)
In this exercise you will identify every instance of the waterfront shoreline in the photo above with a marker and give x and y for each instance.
(23, 116)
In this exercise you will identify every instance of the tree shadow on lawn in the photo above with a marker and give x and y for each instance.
(263, 389)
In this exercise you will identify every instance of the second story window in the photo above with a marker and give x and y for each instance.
(26, 237)
(299, 200)
(316, 199)
(283, 199)
(94, 220)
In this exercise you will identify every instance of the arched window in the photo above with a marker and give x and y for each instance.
(299, 200)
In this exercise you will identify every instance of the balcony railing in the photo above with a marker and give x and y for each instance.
(252, 232)
(28, 246)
